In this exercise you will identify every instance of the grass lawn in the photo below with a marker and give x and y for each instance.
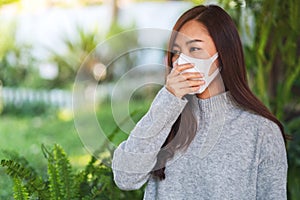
(26, 134)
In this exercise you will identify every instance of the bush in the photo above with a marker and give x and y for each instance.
(61, 182)
(26, 109)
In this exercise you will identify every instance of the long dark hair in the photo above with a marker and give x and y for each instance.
(231, 57)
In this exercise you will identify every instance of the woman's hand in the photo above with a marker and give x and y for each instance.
(180, 84)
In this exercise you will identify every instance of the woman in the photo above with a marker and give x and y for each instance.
(205, 136)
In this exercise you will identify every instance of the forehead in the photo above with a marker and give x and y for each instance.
(193, 30)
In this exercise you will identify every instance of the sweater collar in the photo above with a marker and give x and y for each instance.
(219, 103)
(211, 115)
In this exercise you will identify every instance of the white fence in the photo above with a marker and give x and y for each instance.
(64, 99)
(18, 96)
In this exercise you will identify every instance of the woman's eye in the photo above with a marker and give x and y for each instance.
(194, 49)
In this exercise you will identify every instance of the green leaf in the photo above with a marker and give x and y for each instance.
(61, 178)
(54, 182)
(65, 175)
(20, 191)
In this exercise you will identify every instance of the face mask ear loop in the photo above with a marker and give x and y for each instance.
(220, 68)
(212, 76)
(214, 57)
(215, 73)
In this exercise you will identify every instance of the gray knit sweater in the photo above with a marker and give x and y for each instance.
(235, 154)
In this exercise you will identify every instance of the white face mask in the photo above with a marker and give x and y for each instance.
(202, 66)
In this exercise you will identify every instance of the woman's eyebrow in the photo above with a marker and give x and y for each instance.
(192, 41)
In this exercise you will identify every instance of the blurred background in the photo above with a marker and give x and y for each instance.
(43, 45)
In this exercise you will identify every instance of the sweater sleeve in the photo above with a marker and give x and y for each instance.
(134, 158)
(272, 168)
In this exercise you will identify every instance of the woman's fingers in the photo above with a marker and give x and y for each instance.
(180, 84)
(192, 75)
(188, 84)
(178, 69)
(180, 89)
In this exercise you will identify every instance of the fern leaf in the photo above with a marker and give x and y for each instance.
(14, 169)
(65, 174)
(13, 155)
(61, 179)
(81, 184)
(27, 174)
(54, 183)
(20, 191)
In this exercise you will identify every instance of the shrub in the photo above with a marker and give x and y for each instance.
(61, 182)
(26, 109)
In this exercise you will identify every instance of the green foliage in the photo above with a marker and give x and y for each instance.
(26, 109)
(276, 65)
(198, 2)
(294, 169)
(272, 57)
(76, 52)
(273, 62)
(5, 2)
(24, 133)
(118, 41)
(26, 180)
(17, 64)
(81, 53)
(99, 182)
(18, 67)
(94, 182)
(294, 159)
(61, 179)
(7, 37)
(20, 192)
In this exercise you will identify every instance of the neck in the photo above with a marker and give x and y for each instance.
(216, 87)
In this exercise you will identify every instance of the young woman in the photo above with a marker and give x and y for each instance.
(205, 136)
